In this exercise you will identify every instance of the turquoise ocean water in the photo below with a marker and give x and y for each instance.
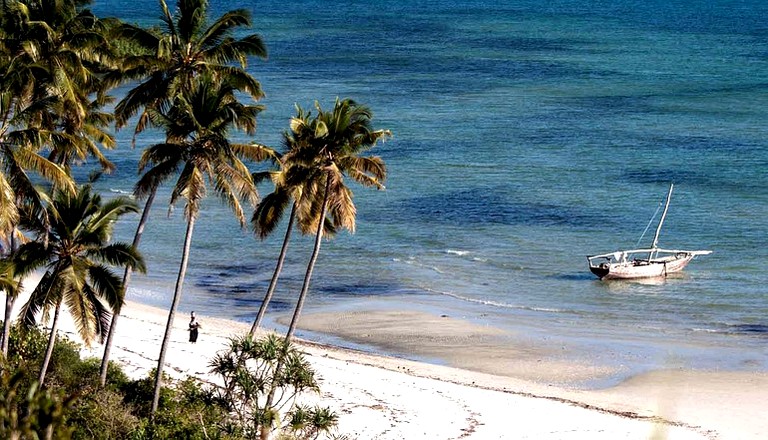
(526, 136)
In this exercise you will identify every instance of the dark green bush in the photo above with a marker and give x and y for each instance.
(73, 406)
(31, 413)
(102, 415)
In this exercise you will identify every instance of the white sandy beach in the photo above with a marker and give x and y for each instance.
(380, 397)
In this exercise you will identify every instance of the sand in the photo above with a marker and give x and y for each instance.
(499, 393)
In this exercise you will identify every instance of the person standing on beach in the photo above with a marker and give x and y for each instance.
(193, 328)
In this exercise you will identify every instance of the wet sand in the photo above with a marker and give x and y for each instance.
(455, 342)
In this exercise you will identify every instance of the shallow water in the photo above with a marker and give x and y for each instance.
(525, 138)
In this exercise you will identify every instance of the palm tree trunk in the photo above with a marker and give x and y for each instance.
(276, 275)
(10, 299)
(51, 343)
(126, 279)
(311, 265)
(172, 314)
(265, 430)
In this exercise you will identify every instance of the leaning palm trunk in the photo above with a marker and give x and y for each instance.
(275, 275)
(172, 314)
(51, 343)
(126, 279)
(311, 265)
(267, 428)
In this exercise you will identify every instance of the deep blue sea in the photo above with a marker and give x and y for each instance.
(527, 135)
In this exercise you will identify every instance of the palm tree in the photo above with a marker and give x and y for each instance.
(62, 48)
(186, 46)
(75, 251)
(17, 185)
(28, 93)
(329, 145)
(289, 183)
(327, 148)
(198, 126)
(166, 64)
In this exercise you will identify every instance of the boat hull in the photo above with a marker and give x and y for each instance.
(641, 268)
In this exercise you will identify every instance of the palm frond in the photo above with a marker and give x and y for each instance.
(111, 210)
(47, 169)
(228, 193)
(341, 207)
(9, 214)
(30, 257)
(45, 294)
(191, 187)
(119, 254)
(153, 178)
(105, 284)
(368, 171)
(80, 309)
(269, 212)
(255, 152)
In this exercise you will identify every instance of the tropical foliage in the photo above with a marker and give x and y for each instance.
(79, 409)
(187, 44)
(327, 147)
(58, 65)
(73, 249)
(320, 151)
(251, 369)
(197, 127)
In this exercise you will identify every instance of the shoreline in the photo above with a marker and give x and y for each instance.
(386, 397)
(596, 357)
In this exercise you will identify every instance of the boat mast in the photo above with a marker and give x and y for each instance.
(663, 215)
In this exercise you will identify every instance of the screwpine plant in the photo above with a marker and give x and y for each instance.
(250, 369)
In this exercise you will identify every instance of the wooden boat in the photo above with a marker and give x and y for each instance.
(643, 263)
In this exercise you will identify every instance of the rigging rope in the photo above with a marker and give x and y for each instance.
(649, 223)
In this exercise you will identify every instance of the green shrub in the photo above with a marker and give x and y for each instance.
(27, 412)
(73, 405)
(254, 369)
(102, 415)
(26, 344)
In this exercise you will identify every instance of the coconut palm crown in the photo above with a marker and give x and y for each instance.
(75, 253)
(77, 259)
(328, 147)
(187, 45)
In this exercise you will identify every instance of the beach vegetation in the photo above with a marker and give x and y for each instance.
(289, 183)
(325, 148)
(28, 411)
(38, 57)
(253, 369)
(74, 405)
(58, 64)
(60, 47)
(75, 252)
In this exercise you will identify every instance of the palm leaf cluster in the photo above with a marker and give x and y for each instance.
(73, 249)
(321, 150)
(186, 45)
